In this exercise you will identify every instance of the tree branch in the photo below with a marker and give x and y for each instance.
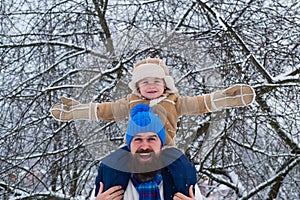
(237, 37)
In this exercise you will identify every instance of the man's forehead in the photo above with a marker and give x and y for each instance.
(146, 134)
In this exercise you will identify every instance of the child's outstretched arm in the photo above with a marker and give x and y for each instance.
(74, 110)
(71, 109)
(238, 95)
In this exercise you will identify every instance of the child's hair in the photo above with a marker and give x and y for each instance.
(154, 68)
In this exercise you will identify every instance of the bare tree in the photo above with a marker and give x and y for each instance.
(86, 50)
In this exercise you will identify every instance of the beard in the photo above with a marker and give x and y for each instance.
(149, 167)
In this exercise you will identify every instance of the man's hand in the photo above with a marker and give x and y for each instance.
(113, 193)
(180, 196)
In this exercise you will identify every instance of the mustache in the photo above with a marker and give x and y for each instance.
(145, 151)
(123, 160)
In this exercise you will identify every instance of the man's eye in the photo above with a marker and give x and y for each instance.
(137, 139)
(152, 139)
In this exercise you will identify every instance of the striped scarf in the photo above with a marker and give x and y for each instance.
(148, 190)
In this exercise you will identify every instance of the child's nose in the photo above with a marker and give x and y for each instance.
(151, 84)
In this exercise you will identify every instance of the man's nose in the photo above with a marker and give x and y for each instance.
(144, 144)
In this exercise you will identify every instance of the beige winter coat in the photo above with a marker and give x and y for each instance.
(169, 109)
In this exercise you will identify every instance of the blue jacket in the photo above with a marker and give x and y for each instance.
(177, 176)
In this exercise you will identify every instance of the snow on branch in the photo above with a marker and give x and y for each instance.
(54, 43)
(236, 36)
(271, 180)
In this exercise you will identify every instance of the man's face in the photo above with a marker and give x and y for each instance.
(145, 149)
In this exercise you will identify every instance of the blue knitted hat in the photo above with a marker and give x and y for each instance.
(142, 119)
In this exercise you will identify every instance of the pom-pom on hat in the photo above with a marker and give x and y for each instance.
(142, 119)
(151, 68)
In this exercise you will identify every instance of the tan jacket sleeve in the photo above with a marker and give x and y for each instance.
(187, 105)
(113, 111)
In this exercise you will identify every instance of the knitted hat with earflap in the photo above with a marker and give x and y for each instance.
(151, 68)
(142, 120)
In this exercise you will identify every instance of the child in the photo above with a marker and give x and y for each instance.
(152, 85)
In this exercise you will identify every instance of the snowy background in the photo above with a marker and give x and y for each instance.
(86, 50)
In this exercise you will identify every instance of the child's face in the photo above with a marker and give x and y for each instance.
(151, 88)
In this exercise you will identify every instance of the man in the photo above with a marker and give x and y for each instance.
(144, 170)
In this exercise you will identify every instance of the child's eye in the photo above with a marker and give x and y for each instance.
(143, 83)
(159, 81)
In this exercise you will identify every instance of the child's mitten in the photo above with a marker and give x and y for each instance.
(74, 110)
(238, 95)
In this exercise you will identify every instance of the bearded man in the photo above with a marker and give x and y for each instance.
(144, 169)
